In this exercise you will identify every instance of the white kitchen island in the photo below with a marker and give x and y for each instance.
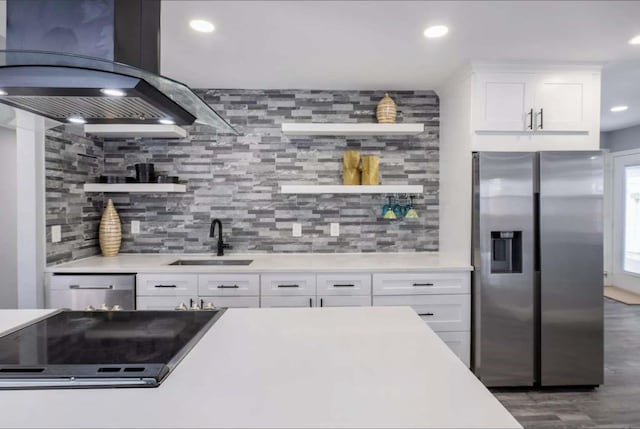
(312, 367)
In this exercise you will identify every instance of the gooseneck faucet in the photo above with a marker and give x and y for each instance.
(212, 233)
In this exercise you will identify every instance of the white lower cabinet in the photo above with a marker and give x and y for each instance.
(459, 343)
(287, 301)
(163, 302)
(343, 301)
(441, 312)
(231, 301)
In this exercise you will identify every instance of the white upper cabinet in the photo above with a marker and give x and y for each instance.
(562, 102)
(535, 102)
(503, 101)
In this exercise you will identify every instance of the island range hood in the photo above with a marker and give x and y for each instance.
(50, 76)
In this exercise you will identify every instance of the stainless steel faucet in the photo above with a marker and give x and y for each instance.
(212, 233)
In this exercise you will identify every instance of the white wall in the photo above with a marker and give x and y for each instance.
(8, 225)
(623, 139)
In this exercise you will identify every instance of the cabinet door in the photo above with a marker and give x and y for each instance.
(344, 284)
(231, 301)
(288, 284)
(440, 312)
(166, 284)
(288, 301)
(502, 102)
(344, 301)
(563, 102)
(163, 302)
(435, 283)
(459, 343)
(228, 285)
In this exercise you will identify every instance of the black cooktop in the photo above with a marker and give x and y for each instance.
(73, 349)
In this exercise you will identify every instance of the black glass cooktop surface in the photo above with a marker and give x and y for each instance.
(100, 349)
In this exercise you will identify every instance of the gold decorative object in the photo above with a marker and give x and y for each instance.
(110, 231)
(370, 170)
(386, 111)
(351, 167)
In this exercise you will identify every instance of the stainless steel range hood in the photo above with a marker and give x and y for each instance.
(73, 88)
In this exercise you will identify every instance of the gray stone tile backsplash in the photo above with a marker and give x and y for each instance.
(237, 178)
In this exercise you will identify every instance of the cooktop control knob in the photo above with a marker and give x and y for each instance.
(116, 308)
(104, 307)
(195, 306)
(90, 308)
(209, 306)
(182, 307)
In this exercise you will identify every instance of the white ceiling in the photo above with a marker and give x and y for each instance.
(379, 44)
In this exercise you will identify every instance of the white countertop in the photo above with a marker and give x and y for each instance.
(335, 262)
(329, 367)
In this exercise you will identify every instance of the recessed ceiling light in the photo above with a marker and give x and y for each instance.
(3, 92)
(112, 92)
(635, 40)
(201, 25)
(166, 121)
(619, 108)
(77, 120)
(436, 31)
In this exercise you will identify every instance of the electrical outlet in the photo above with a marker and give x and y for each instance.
(135, 227)
(335, 229)
(296, 230)
(56, 234)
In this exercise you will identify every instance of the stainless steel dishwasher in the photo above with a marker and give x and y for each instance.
(91, 291)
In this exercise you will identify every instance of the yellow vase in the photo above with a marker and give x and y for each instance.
(386, 111)
(351, 167)
(370, 170)
(110, 232)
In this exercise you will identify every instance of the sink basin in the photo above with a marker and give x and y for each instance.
(212, 262)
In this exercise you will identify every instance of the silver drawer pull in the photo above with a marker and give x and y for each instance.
(426, 314)
(90, 287)
(288, 285)
(228, 286)
(345, 285)
(166, 286)
(422, 284)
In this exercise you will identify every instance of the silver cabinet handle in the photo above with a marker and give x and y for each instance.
(345, 285)
(310, 302)
(530, 114)
(228, 286)
(422, 284)
(166, 286)
(288, 285)
(90, 287)
(426, 314)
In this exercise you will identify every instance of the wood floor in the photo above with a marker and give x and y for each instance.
(616, 404)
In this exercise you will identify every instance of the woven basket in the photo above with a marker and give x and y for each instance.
(387, 111)
(351, 167)
(110, 231)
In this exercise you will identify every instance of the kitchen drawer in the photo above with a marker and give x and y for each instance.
(231, 301)
(441, 312)
(287, 301)
(163, 302)
(421, 283)
(166, 284)
(229, 285)
(288, 284)
(459, 343)
(344, 284)
(343, 301)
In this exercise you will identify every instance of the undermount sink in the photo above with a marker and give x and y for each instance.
(212, 262)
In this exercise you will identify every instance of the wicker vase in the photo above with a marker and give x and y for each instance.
(351, 167)
(370, 170)
(110, 231)
(386, 111)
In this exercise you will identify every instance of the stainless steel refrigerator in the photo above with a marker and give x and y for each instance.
(538, 280)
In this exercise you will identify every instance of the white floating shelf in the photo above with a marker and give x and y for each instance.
(134, 187)
(297, 129)
(351, 189)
